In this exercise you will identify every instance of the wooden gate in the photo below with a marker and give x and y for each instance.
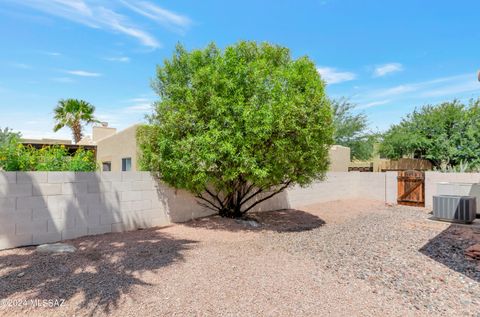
(411, 188)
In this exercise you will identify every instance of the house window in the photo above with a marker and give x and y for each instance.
(107, 166)
(126, 164)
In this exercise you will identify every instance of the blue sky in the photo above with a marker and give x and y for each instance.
(386, 56)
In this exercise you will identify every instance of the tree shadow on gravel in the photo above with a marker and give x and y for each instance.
(103, 268)
(448, 248)
(284, 220)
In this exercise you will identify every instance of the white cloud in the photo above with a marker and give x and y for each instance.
(429, 91)
(333, 76)
(373, 104)
(160, 15)
(143, 108)
(121, 59)
(94, 15)
(386, 69)
(83, 73)
(63, 79)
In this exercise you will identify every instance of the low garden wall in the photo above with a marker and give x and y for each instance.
(43, 207)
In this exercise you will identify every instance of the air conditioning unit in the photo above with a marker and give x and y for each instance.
(454, 208)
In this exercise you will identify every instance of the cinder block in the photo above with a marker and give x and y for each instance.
(56, 177)
(7, 203)
(100, 229)
(7, 227)
(47, 189)
(125, 206)
(59, 224)
(131, 196)
(89, 220)
(88, 199)
(99, 187)
(110, 218)
(122, 227)
(32, 177)
(37, 202)
(31, 227)
(149, 195)
(143, 185)
(99, 208)
(74, 188)
(158, 222)
(111, 200)
(47, 237)
(121, 186)
(111, 176)
(131, 176)
(16, 190)
(8, 177)
(141, 205)
(15, 215)
(74, 233)
(86, 177)
(62, 203)
(147, 176)
(14, 241)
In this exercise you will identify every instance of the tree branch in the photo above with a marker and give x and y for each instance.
(199, 196)
(267, 197)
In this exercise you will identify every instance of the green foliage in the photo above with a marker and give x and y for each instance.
(73, 113)
(351, 130)
(6, 135)
(236, 123)
(14, 156)
(447, 134)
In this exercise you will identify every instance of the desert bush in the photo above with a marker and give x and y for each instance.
(234, 123)
(14, 156)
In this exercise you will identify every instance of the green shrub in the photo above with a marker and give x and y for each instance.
(14, 156)
(236, 123)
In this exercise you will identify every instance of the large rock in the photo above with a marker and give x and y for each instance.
(56, 248)
(473, 251)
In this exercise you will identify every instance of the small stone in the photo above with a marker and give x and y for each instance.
(56, 248)
(21, 274)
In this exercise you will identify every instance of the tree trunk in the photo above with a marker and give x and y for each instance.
(238, 202)
(77, 132)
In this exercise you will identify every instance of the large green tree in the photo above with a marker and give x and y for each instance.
(351, 130)
(238, 126)
(74, 114)
(447, 134)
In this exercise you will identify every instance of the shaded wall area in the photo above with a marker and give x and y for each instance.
(44, 207)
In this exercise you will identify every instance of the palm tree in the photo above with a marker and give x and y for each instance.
(73, 113)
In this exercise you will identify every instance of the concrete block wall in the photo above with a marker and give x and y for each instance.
(346, 185)
(433, 178)
(44, 207)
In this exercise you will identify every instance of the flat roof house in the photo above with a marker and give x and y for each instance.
(116, 151)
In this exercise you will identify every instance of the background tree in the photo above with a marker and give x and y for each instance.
(73, 113)
(6, 135)
(447, 134)
(233, 124)
(351, 130)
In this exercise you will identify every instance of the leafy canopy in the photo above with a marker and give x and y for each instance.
(351, 130)
(73, 113)
(447, 134)
(232, 124)
(14, 156)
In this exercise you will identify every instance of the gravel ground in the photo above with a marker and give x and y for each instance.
(343, 258)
